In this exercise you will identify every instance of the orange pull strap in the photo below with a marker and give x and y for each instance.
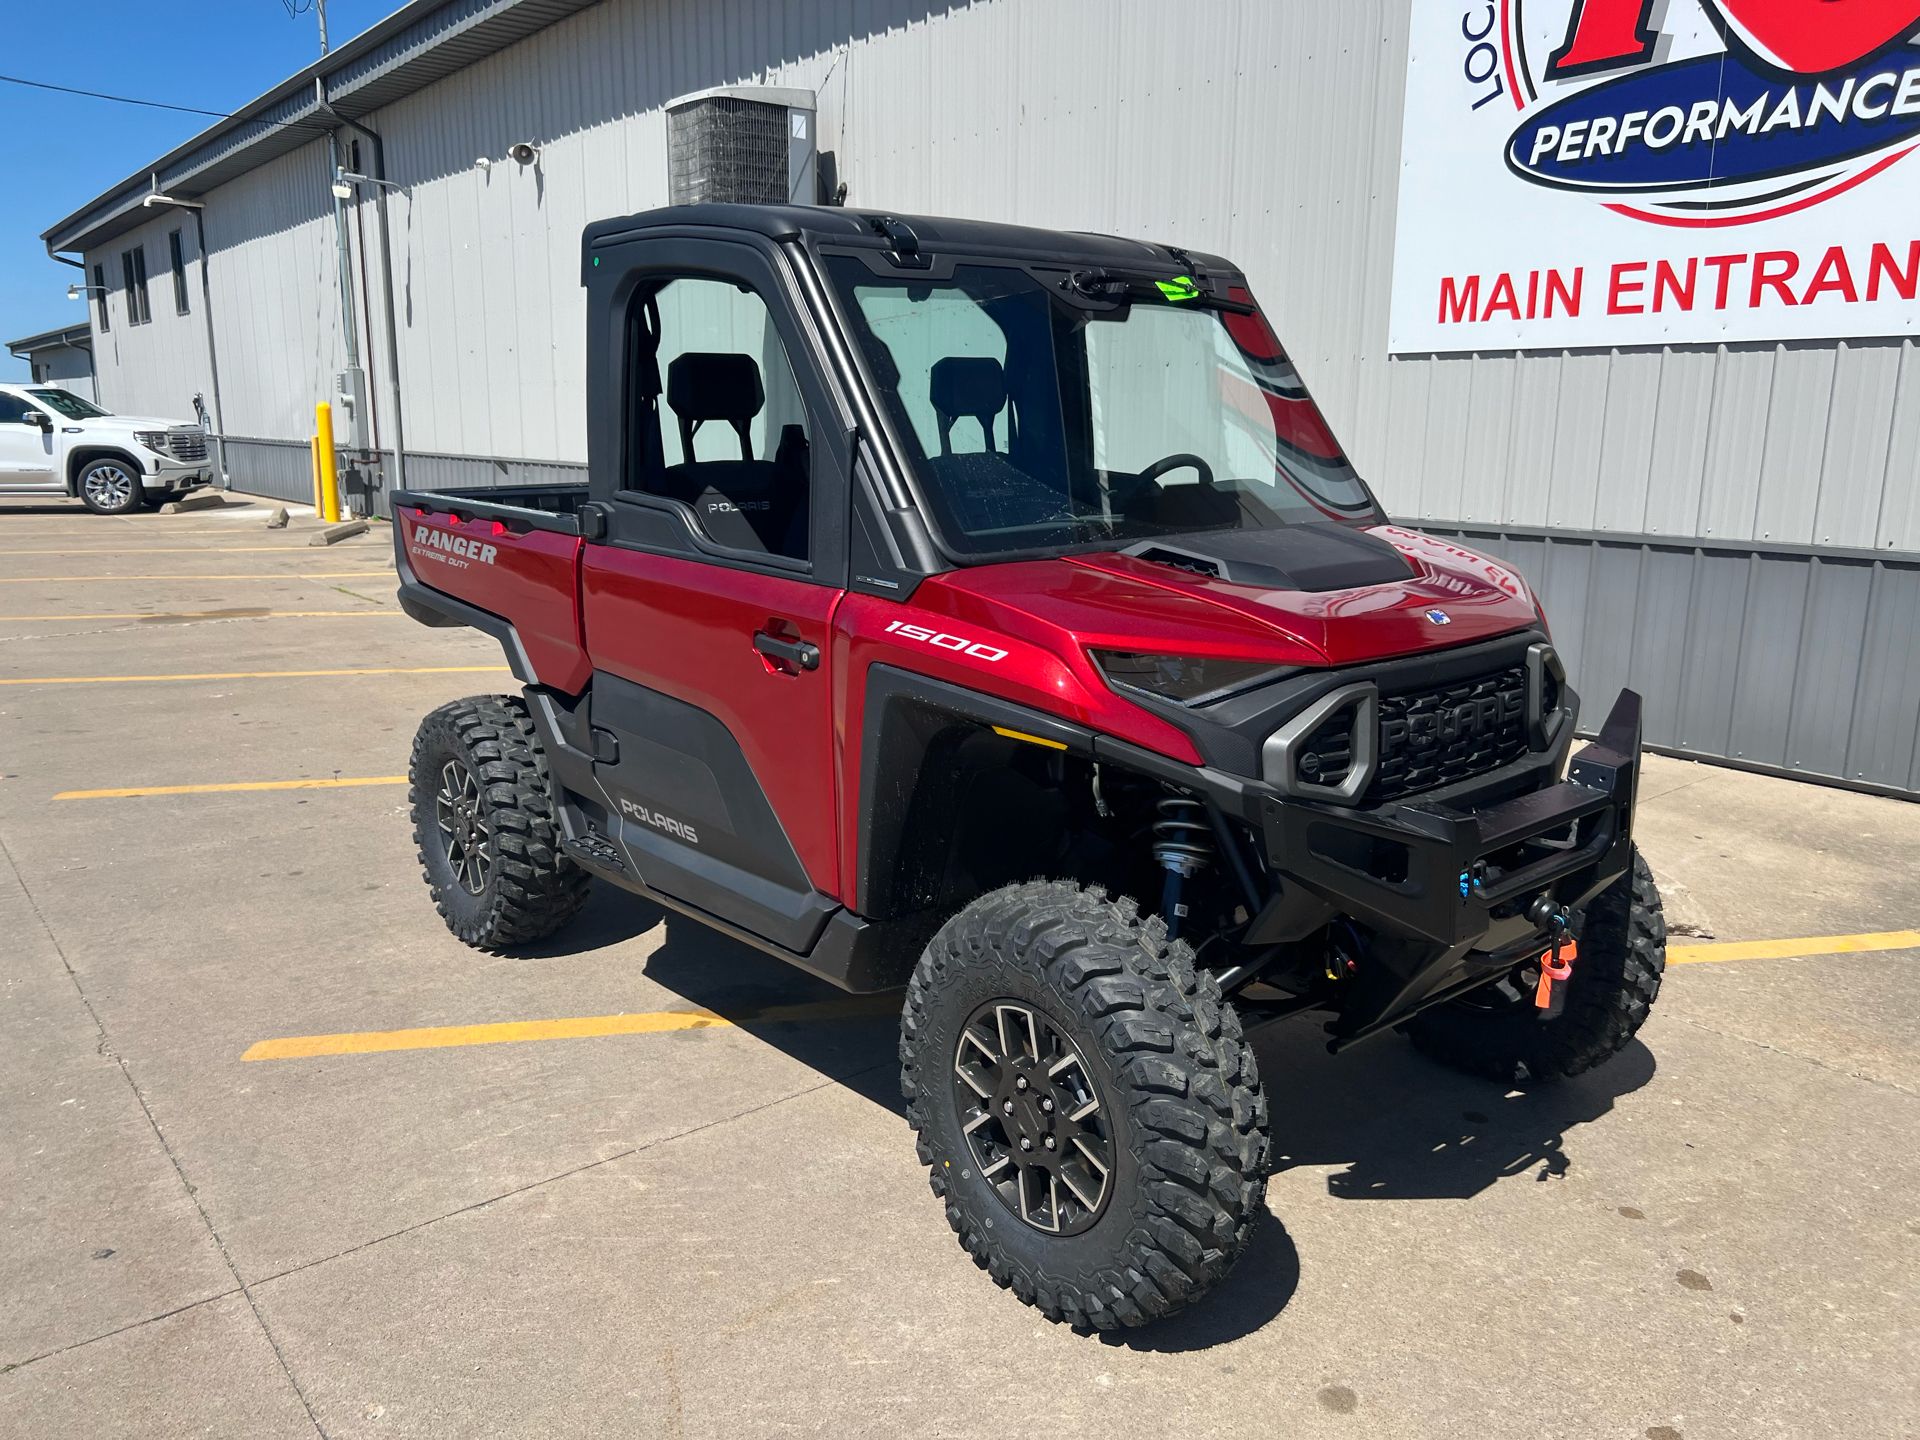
(1555, 964)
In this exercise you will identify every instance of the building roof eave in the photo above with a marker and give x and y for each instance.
(421, 42)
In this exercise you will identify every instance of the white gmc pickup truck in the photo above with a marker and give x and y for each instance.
(55, 443)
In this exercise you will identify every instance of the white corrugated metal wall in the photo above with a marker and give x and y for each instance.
(1267, 131)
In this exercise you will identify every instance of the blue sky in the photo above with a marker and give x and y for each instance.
(65, 150)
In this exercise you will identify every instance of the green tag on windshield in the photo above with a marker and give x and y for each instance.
(1179, 289)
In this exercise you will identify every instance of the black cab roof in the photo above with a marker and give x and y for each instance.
(883, 230)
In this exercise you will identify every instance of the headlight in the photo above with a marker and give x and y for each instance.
(152, 439)
(1181, 678)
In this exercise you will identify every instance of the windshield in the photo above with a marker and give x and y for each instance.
(1038, 419)
(67, 403)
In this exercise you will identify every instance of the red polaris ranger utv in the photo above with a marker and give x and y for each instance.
(990, 611)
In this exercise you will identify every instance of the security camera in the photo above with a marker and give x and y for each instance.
(523, 152)
(483, 164)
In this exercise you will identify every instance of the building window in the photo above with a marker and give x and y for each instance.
(179, 273)
(100, 295)
(133, 270)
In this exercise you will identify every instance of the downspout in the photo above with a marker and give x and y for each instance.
(386, 277)
(213, 357)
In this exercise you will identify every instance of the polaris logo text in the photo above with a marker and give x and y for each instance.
(665, 824)
(1451, 725)
(959, 644)
(425, 538)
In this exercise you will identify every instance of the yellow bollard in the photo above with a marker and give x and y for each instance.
(329, 477)
(313, 471)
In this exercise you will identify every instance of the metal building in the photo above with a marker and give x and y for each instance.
(1732, 530)
(61, 357)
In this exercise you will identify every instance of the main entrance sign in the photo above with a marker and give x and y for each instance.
(1621, 172)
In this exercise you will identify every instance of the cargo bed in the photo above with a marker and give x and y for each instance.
(505, 561)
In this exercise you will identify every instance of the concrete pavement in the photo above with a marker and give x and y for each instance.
(721, 1230)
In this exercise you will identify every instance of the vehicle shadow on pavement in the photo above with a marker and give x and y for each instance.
(1399, 1126)
(850, 1039)
(611, 917)
(1406, 1128)
(1256, 1290)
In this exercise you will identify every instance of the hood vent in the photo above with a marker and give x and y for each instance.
(1312, 556)
(1178, 559)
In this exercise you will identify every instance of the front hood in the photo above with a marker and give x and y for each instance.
(1327, 594)
(129, 422)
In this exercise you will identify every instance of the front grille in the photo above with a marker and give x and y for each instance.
(187, 444)
(1430, 738)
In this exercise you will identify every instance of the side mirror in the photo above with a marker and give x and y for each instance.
(40, 420)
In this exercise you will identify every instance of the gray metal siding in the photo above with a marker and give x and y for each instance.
(1270, 132)
(1802, 664)
(68, 366)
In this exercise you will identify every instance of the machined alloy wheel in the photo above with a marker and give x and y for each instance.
(1085, 1103)
(463, 827)
(487, 827)
(109, 488)
(1032, 1117)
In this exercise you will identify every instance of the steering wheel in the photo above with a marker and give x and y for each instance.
(1180, 460)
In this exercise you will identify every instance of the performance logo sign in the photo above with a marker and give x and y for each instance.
(1658, 172)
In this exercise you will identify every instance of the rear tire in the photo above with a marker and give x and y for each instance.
(485, 827)
(109, 486)
(1118, 1016)
(1616, 979)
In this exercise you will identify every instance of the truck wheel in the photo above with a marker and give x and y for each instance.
(1085, 1104)
(1495, 1031)
(111, 487)
(485, 827)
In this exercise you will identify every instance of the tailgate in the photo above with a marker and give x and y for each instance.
(512, 572)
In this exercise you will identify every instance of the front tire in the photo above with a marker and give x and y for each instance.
(110, 487)
(485, 826)
(1495, 1032)
(1135, 1070)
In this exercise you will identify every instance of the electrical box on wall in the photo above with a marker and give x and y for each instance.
(751, 144)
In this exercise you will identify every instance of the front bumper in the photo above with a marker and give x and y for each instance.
(1446, 881)
(1460, 866)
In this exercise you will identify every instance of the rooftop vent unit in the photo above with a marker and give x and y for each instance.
(743, 144)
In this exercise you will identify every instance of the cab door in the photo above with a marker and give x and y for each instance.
(709, 601)
(27, 451)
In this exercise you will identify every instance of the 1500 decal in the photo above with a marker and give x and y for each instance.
(941, 640)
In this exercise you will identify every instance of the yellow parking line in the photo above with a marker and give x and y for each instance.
(1793, 949)
(577, 1027)
(208, 615)
(257, 675)
(114, 579)
(230, 531)
(173, 550)
(133, 792)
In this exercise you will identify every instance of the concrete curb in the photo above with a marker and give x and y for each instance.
(343, 531)
(199, 500)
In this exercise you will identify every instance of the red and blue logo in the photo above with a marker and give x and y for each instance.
(1723, 113)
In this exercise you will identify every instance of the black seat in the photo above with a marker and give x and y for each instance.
(744, 503)
(974, 386)
(986, 490)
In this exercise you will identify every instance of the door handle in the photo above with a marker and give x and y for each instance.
(799, 653)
